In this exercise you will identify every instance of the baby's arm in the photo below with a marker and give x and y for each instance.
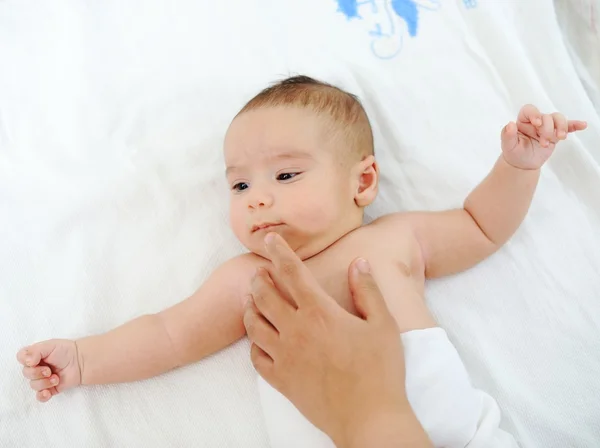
(208, 321)
(455, 240)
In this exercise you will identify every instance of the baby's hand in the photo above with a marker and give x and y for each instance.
(530, 142)
(51, 366)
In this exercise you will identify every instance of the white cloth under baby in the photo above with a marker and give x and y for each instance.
(453, 413)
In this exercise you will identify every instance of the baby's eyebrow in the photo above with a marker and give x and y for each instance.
(292, 154)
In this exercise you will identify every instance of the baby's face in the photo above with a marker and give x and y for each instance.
(286, 177)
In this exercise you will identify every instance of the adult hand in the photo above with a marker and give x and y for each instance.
(344, 373)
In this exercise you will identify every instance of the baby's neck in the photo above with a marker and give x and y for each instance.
(309, 251)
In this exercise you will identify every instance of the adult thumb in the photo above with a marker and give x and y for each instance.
(366, 295)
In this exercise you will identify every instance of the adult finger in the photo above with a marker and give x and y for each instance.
(269, 301)
(560, 125)
(368, 300)
(263, 363)
(530, 114)
(576, 125)
(290, 273)
(259, 331)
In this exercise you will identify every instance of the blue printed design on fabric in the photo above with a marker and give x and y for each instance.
(408, 10)
(382, 19)
(349, 8)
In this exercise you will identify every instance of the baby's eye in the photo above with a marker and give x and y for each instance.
(287, 176)
(240, 186)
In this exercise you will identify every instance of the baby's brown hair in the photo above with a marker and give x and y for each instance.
(344, 109)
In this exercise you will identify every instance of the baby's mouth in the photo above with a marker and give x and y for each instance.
(267, 226)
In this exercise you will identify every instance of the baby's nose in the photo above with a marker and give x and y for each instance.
(260, 200)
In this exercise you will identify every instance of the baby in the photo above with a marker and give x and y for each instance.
(300, 162)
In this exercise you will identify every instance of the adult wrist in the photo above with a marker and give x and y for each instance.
(398, 428)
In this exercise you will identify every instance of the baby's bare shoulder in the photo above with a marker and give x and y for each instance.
(391, 227)
(394, 236)
(247, 260)
(232, 277)
(242, 267)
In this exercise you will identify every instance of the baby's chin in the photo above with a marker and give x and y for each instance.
(303, 249)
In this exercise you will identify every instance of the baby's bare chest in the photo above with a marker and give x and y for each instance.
(396, 266)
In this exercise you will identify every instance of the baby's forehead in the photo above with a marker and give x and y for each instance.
(291, 121)
(275, 132)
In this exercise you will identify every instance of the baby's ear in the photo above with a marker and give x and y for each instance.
(367, 173)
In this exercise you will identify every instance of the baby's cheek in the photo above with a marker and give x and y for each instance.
(237, 222)
(314, 218)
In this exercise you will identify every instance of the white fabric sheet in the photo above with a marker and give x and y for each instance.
(580, 25)
(113, 201)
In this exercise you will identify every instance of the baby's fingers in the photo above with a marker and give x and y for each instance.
(36, 373)
(530, 114)
(560, 125)
(45, 395)
(32, 355)
(46, 383)
(546, 131)
(576, 125)
(29, 357)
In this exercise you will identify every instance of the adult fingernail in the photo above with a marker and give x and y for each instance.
(363, 266)
(46, 372)
(269, 238)
(28, 360)
(54, 380)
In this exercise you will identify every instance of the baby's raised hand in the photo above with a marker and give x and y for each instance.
(529, 142)
(51, 367)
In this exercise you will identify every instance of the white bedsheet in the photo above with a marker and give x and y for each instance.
(580, 25)
(113, 203)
